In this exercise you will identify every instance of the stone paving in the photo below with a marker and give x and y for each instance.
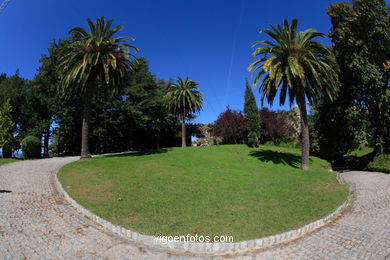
(37, 223)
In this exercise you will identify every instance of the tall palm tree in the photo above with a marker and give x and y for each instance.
(293, 63)
(184, 98)
(92, 56)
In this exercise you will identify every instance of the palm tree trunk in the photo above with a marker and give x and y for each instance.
(85, 128)
(305, 146)
(183, 129)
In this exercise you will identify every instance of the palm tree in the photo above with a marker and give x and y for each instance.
(293, 63)
(92, 56)
(184, 98)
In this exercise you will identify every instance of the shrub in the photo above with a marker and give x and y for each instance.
(277, 126)
(31, 147)
(231, 126)
(381, 163)
(253, 140)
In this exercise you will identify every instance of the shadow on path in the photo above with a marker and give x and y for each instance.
(277, 157)
(5, 191)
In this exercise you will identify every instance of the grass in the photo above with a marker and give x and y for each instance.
(4, 161)
(217, 190)
(361, 152)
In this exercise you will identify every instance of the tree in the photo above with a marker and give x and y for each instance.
(252, 116)
(6, 125)
(134, 117)
(230, 125)
(294, 64)
(14, 89)
(41, 101)
(91, 56)
(361, 42)
(184, 98)
(277, 126)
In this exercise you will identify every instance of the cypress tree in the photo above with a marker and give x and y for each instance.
(252, 117)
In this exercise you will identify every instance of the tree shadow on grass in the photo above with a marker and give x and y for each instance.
(276, 157)
(139, 153)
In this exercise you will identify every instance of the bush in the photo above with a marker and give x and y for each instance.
(253, 140)
(31, 147)
(381, 163)
(278, 126)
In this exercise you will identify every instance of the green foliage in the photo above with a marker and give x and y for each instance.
(253, 139)
(338, 128)
(31, 147)
(381, 163)
(6, 124)
(184, 97)
(361, 39)
(294, 63)
(95, 54)
(252, 117)
(215, 190)
(14, 89)
(134, 117)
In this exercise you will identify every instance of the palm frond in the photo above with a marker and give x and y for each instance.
(293, 62)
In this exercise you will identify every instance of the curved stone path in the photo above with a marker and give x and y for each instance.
(37, 223)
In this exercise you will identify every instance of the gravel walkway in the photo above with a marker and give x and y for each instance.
(37, 223)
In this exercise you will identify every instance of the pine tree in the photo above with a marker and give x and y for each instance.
(252, 117)
(6, 125)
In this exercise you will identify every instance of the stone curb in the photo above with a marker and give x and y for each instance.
(216, 247)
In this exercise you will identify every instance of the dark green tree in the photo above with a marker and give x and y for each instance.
(6, 125)
(14, 89)
(361, 43)
(134, 117)
(252, 116)
(41, 100)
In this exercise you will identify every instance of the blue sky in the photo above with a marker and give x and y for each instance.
(208, 41)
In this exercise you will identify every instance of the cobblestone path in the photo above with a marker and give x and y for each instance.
(37, 223)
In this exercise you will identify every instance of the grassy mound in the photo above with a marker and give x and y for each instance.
(218, 190)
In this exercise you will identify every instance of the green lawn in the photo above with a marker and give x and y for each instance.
(4, 161)
(361, 152)
(218, 190)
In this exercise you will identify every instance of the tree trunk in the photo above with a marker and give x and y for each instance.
(7, 152)
(305, 146)
(46, 142)
(59, 142)
(85, 128)
(183, 129)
